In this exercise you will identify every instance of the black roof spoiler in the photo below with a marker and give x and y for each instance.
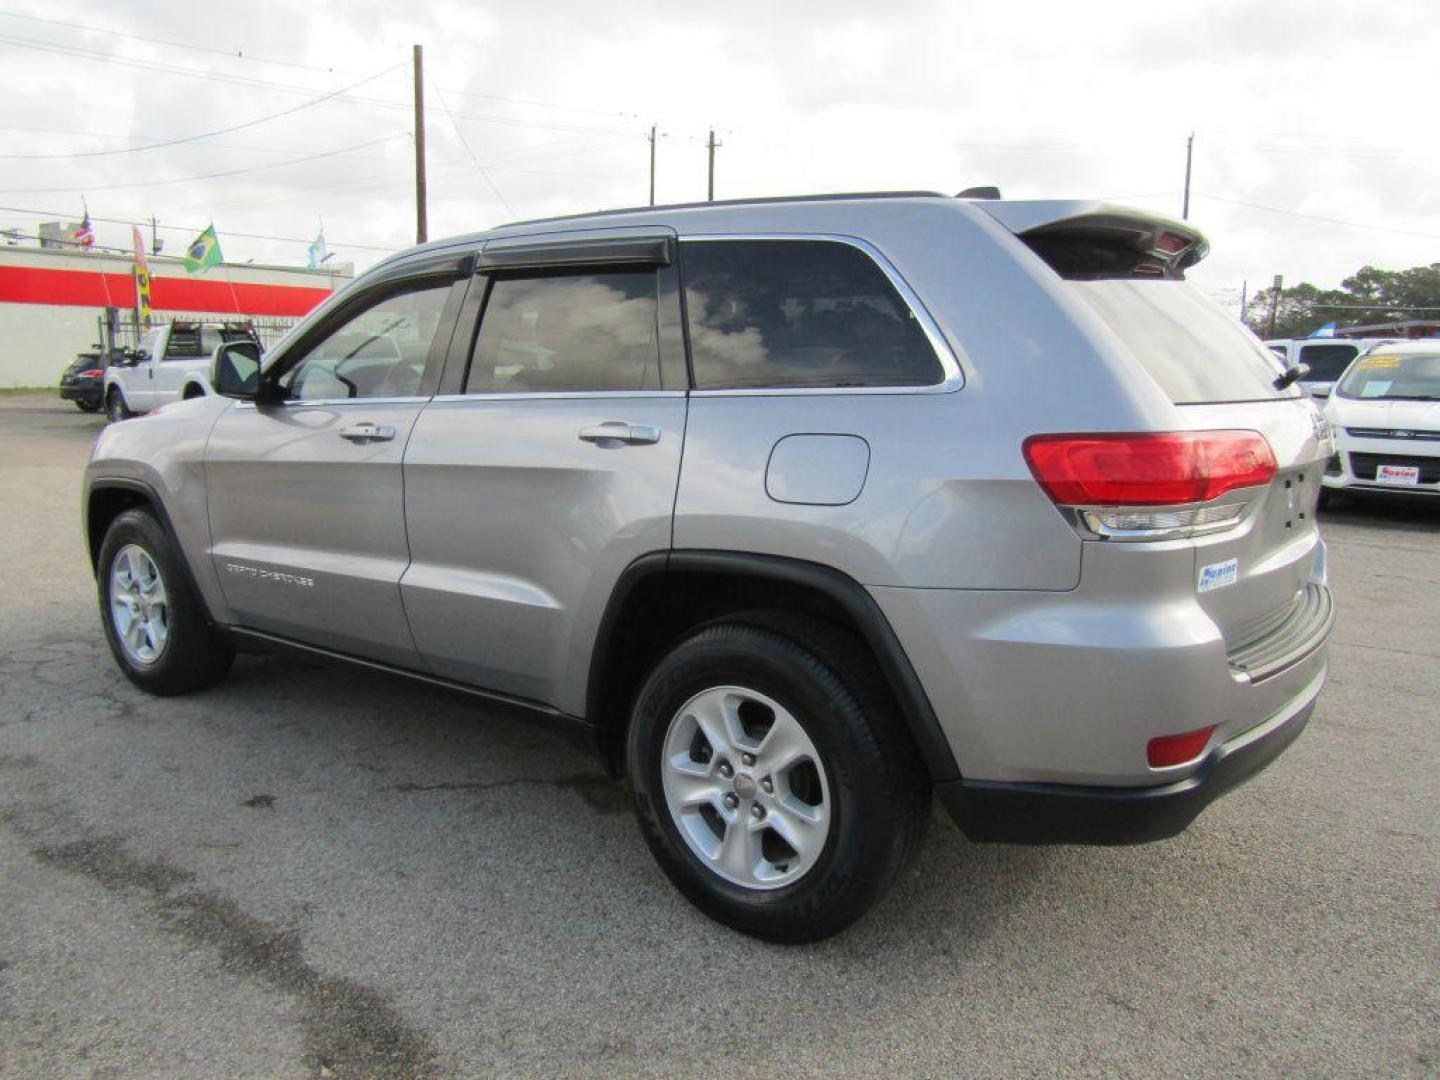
(1081, 239)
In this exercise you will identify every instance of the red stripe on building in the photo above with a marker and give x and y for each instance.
(83, 288)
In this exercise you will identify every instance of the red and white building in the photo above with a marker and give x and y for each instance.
(53, 300)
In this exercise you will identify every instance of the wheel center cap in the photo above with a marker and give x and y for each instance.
(744, 785)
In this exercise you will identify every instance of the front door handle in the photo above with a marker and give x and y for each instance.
(613, 433)
(368, 433)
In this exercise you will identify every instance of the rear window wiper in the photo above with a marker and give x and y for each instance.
(1292, 374)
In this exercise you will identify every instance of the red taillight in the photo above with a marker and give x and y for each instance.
(1148, 469)
(1177, 749)
(93, 373)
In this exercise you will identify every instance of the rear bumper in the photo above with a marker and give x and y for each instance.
(82, 392)
(1026, 813)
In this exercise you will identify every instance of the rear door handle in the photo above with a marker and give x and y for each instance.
(614, 433)
(368, 433)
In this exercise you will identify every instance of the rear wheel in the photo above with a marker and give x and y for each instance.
(154, 621)
(771, 778)
(88, 406)
(115, 407)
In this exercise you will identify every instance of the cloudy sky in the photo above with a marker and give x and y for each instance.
(1315, 139)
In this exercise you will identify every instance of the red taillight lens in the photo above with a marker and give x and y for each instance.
(93, 373)
(1177, 749)
(1148, 469)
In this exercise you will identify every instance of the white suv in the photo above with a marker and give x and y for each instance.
(1386, 412)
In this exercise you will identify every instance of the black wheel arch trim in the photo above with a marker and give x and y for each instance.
(156, 504)
(847, 593)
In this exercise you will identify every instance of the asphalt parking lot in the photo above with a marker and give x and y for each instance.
(307, 872)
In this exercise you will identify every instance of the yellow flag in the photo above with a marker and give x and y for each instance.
(142, 278)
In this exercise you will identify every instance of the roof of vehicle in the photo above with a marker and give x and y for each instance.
(1409, 347)
(1359, 341)
(1017, 215)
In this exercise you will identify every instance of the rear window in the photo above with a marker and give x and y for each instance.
(1196, 351)
(1327, 362)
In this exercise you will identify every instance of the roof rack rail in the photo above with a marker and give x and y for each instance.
(760, 200)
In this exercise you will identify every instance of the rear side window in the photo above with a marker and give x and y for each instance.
(549, 332)
(1196, 351)
(798, 313)
(1327, 362)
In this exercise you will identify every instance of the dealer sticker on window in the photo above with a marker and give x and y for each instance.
(1218, 575)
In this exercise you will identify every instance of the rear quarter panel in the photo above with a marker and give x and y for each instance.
(948, 501)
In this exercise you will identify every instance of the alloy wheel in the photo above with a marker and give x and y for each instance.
(746, 787)
(138, 605)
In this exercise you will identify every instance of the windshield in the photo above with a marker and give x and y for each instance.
(1392, 377)
(1195, 350)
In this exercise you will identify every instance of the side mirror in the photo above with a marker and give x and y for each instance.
(133, 357)
(235, 370)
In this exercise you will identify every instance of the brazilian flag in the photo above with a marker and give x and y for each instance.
(203, 252)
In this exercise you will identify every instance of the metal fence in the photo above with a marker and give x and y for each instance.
(124, 332)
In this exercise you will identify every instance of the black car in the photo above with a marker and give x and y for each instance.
(84, 381)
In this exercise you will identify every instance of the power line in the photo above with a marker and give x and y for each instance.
(183, 72)
(290, 88)
(466, 144)
(208, 134)
(194, 229)
(206, 176)
(241, 55)
(1317, 217)
(244, 148)
(168, 43)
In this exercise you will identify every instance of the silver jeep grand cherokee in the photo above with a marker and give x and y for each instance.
(796, 510)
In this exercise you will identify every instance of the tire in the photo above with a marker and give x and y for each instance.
(115, 407)
(194, 390)
(171, 648)
(88, 406)
(860, 773)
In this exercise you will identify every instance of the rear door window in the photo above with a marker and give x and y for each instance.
(1195, 350)
(799, 313)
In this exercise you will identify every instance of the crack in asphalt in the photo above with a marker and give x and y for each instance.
(601, 794)
(349, 1029)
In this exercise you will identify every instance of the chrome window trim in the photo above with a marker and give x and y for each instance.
(949, 361)
(297, 403)
(553, 395)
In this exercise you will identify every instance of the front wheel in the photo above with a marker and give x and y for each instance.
(115, 407)
(772, 780)
(154, 620)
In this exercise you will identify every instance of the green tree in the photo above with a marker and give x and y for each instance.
(1370, 295)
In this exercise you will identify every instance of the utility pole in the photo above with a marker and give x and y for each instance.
(420, 228)
(155, 244)
(710, 196)
(1189, 152)
(652, 164)
(1244, 297)
(1274, 305)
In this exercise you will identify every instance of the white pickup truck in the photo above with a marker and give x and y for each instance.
(172, 362)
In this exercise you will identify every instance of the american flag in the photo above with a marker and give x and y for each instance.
(85, 234)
